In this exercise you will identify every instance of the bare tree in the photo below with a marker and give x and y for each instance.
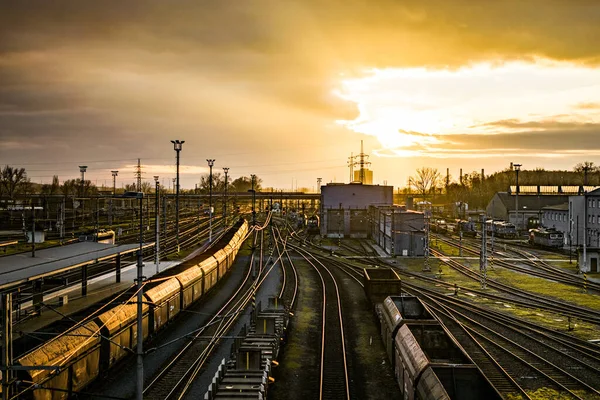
(426, 180)
(13, 181)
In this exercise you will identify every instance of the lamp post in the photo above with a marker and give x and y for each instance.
(177, 145)
(114, 175)
(517, 169)
(226, 170)
(157, 224)
(211, 162)
(82, 169)
(110, 215)
(139, 281)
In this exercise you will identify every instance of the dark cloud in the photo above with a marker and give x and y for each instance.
(123, 77)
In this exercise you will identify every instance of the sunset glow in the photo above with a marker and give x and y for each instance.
(442, 113)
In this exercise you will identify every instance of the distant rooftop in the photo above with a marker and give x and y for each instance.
(550, 190)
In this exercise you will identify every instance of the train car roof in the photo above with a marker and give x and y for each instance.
(58, 351)
(189, 275)
(208, 265)
(120, 316)
(220, 255)
(163, 290)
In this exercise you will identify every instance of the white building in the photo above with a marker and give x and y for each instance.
(584, 220)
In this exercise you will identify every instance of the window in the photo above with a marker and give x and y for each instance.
(593, 219)
(593, 203)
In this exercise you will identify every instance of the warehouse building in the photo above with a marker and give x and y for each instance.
(345, 208)
(398, 231)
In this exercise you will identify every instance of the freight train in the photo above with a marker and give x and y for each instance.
(427, 361)
(546, 238)
(92, 347)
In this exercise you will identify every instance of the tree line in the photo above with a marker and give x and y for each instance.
(477, 191)
(14, 182)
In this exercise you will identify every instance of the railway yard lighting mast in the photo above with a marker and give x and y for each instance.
(517, 169)
(177, 145)
(114, 175)
(226, 170)
(211, 162)
(157, 223)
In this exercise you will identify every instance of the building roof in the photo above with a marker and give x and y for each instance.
(531, 202)
(20, 268)
(558, 207)
(552, 190)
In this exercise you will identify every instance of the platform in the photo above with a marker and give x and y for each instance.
(21, 268)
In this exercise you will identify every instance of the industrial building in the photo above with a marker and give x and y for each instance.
(398, 231)
(345, 208)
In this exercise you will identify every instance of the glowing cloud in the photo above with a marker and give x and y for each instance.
(444, 113)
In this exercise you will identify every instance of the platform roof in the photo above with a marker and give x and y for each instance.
(21, 268)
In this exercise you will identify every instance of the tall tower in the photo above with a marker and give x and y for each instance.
(362, 163)
(138, 175)
(351, 164)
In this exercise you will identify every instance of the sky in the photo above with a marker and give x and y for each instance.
(287, 90)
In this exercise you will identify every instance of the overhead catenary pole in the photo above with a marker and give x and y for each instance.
(226, 170)
(253, 177)
(140, 299)
(6, 348)
(517, 168)
(211, 162)
(482, 253)
(177, 145)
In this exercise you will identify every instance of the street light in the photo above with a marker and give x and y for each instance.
(114, 175)
(211, 162)
(226, 170)
(157, 224)
(517, 169)
(140, 299)
(177, 144)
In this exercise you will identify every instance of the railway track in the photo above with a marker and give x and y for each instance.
(566, 364)
(176, 377)
(334, 382)
(543, 269)
(523, 350)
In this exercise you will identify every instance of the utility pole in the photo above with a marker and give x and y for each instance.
(319, 180)
(226, 170)
(177, 145)
(211, 162)
(426, 267)
(138, 175)
(482, 254)
(82, 169)
(114, 175)
(351, 164)
(7, 348)
(32, 229)
(517, 168)
(362, 163)
(111, 208)
(140, 299)
(253, 201)
(157, 224)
